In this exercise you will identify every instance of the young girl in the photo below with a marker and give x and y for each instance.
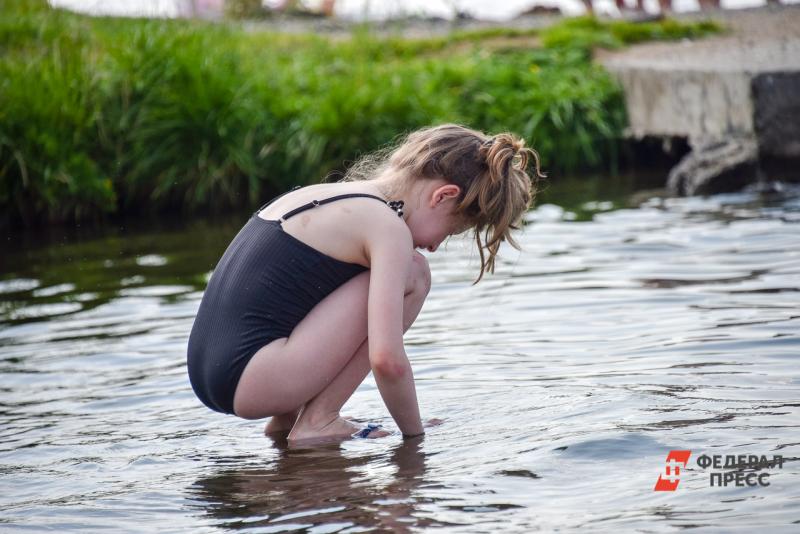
(319, 286)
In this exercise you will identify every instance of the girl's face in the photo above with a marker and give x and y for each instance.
(434, 219)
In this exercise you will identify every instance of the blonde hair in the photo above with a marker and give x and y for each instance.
(496, 189)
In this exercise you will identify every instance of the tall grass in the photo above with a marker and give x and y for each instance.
(108, 115)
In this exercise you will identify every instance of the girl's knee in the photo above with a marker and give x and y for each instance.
(419, 277)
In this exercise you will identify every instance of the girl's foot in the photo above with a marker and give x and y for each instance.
(281, 424)
(337, 429)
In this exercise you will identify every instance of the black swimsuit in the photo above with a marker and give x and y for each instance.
(265, 283)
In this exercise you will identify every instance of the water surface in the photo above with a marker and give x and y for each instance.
(617, 335)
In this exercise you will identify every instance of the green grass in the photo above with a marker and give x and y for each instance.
(585, 33)
(102, 116)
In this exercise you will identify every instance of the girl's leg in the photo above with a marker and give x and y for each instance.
(282, 423)
(322, 359)
(323, 409)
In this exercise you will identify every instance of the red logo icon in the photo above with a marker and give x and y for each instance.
(672, 475)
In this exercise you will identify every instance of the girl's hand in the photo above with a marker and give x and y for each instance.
(427, 424)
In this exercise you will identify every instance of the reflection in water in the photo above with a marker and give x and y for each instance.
(614, 337)
(302, 488)
(104, 264)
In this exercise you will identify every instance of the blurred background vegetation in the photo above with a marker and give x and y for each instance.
(104, 116)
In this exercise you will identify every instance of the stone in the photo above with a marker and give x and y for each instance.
(776, 103)
(719, 166)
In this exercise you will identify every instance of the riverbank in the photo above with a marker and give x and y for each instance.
(110, 116)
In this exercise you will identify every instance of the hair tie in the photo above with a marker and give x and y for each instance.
(489, 142)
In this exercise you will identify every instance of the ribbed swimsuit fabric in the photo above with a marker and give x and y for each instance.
(266, 282)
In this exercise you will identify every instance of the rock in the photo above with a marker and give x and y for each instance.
(776, 103)
(539, 10)
(719, 166)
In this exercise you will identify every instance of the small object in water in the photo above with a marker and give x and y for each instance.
(364, 432)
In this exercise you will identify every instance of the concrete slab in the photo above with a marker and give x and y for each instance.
(743, 86)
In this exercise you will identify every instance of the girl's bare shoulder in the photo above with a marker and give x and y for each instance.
(349, 229)
(323, 192)
(376, 220)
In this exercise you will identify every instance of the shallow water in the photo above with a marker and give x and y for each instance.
(564, 380)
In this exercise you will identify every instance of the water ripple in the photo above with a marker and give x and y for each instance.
(563, 380)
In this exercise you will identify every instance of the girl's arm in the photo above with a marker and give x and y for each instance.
(390, 253)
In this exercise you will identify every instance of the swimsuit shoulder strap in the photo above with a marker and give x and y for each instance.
(396, 205)
(259, 210)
